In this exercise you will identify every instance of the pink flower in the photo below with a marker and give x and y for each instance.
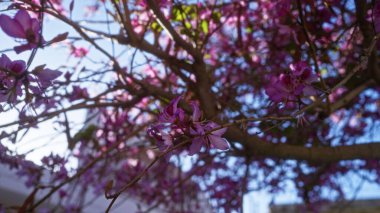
(79, 52)
(171, 113)
(174, 124)
(22, 26)
(288, 87)
(78, 93)
(10, 88)
(16, 67)
(208, 134)
(46, 76)
(204, 135)
(164, 139)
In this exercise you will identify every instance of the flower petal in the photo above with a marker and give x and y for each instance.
(212, 125)
(196, 145)
(172, 107)
(309, 90)
(11, 27)
(218, 142)
(196, 111)
(17, 66)
(199, 129)
(46, 76)
(4, 61)
(24, 19)
(24, 47)
(180, 114)
(49, 75)
(274, 94)
(170, 112)
(35, 26)
(219, 132)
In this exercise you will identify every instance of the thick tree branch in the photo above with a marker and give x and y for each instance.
(255, 147)
(368, 33)
(346, 99)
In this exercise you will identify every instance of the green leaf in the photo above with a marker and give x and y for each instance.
(215, 16)
(187, 25)
(177, 14)
(84, 134)
(249, 29)
(324, 71)
(204, 26)
(156, 26)
(181, 12)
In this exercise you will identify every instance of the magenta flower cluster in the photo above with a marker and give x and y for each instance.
(174, 126)
(291, 86)
(11, 74)
(14, 79)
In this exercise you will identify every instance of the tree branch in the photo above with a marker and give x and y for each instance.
(171, 31)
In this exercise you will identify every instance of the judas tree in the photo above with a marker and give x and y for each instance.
(193, 102)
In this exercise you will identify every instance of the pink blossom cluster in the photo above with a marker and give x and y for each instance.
(291, 86)
(15, 79)
(174, 126)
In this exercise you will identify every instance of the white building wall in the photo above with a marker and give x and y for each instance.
(13, 192)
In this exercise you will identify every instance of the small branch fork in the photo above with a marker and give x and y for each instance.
(138, 177)
(81, 172)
